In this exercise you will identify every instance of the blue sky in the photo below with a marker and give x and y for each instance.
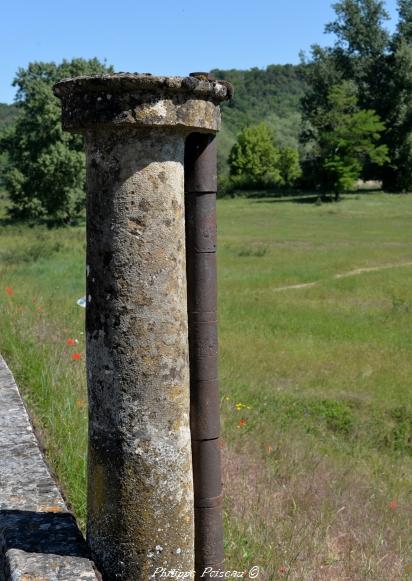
(160, 36)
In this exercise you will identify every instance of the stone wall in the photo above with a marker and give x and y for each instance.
(39, 537)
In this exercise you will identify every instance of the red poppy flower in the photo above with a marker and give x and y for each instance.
(76, 356)
(393, 505)
(242, 422)
(71, 342)
(282, 570)
(9, 291)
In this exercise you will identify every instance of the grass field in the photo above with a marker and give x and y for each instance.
(315, 381)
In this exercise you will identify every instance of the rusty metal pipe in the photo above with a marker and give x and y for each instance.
(200, 210)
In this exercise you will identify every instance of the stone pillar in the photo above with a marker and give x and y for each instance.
(140, 485)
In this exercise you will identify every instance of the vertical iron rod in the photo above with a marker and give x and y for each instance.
(200, 207)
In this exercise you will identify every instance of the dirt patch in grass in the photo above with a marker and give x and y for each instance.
(355, 272)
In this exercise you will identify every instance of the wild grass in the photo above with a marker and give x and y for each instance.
(315, 381)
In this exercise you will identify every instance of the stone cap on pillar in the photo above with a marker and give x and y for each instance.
(142, 100)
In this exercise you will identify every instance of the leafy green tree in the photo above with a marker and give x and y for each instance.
(45, 173)
(358, 27)
(380, 66)
(395, 102)
(254, 159)
(323, 72)
(362, 45)
(397, 112)
(289, 166)
(348, 139)
(404, 27)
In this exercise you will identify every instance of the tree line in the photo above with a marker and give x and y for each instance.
(356, 108)
(344, 113)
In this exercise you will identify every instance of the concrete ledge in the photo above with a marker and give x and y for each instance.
(39, 537)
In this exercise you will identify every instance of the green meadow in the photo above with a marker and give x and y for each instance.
(315, 315)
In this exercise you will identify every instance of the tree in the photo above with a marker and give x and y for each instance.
(396, 104)
(323, 72)
(358, 27)
(348, 139)
(404, 27)
(380, 66)
(254, 158)
(289, 166)
(362, 45)
(45, 172)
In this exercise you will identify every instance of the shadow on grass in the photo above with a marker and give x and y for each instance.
(295, 200)
(317, 198)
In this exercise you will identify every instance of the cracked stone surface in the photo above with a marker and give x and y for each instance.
(39, 537)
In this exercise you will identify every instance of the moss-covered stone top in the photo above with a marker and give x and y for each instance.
(142, 99)
(124, 82)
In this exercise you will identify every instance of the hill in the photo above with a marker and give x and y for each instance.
(7, 114)
(271, 95)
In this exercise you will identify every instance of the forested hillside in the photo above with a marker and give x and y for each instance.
(7, 114)
(271, 95)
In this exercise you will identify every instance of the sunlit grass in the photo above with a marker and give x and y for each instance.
(318, 456)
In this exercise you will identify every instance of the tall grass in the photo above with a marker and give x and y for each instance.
(316, 405)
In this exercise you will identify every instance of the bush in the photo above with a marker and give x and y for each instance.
(256, 162)
(225, 186)
(254, 158)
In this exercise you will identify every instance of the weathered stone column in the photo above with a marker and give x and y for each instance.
(140, 488)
